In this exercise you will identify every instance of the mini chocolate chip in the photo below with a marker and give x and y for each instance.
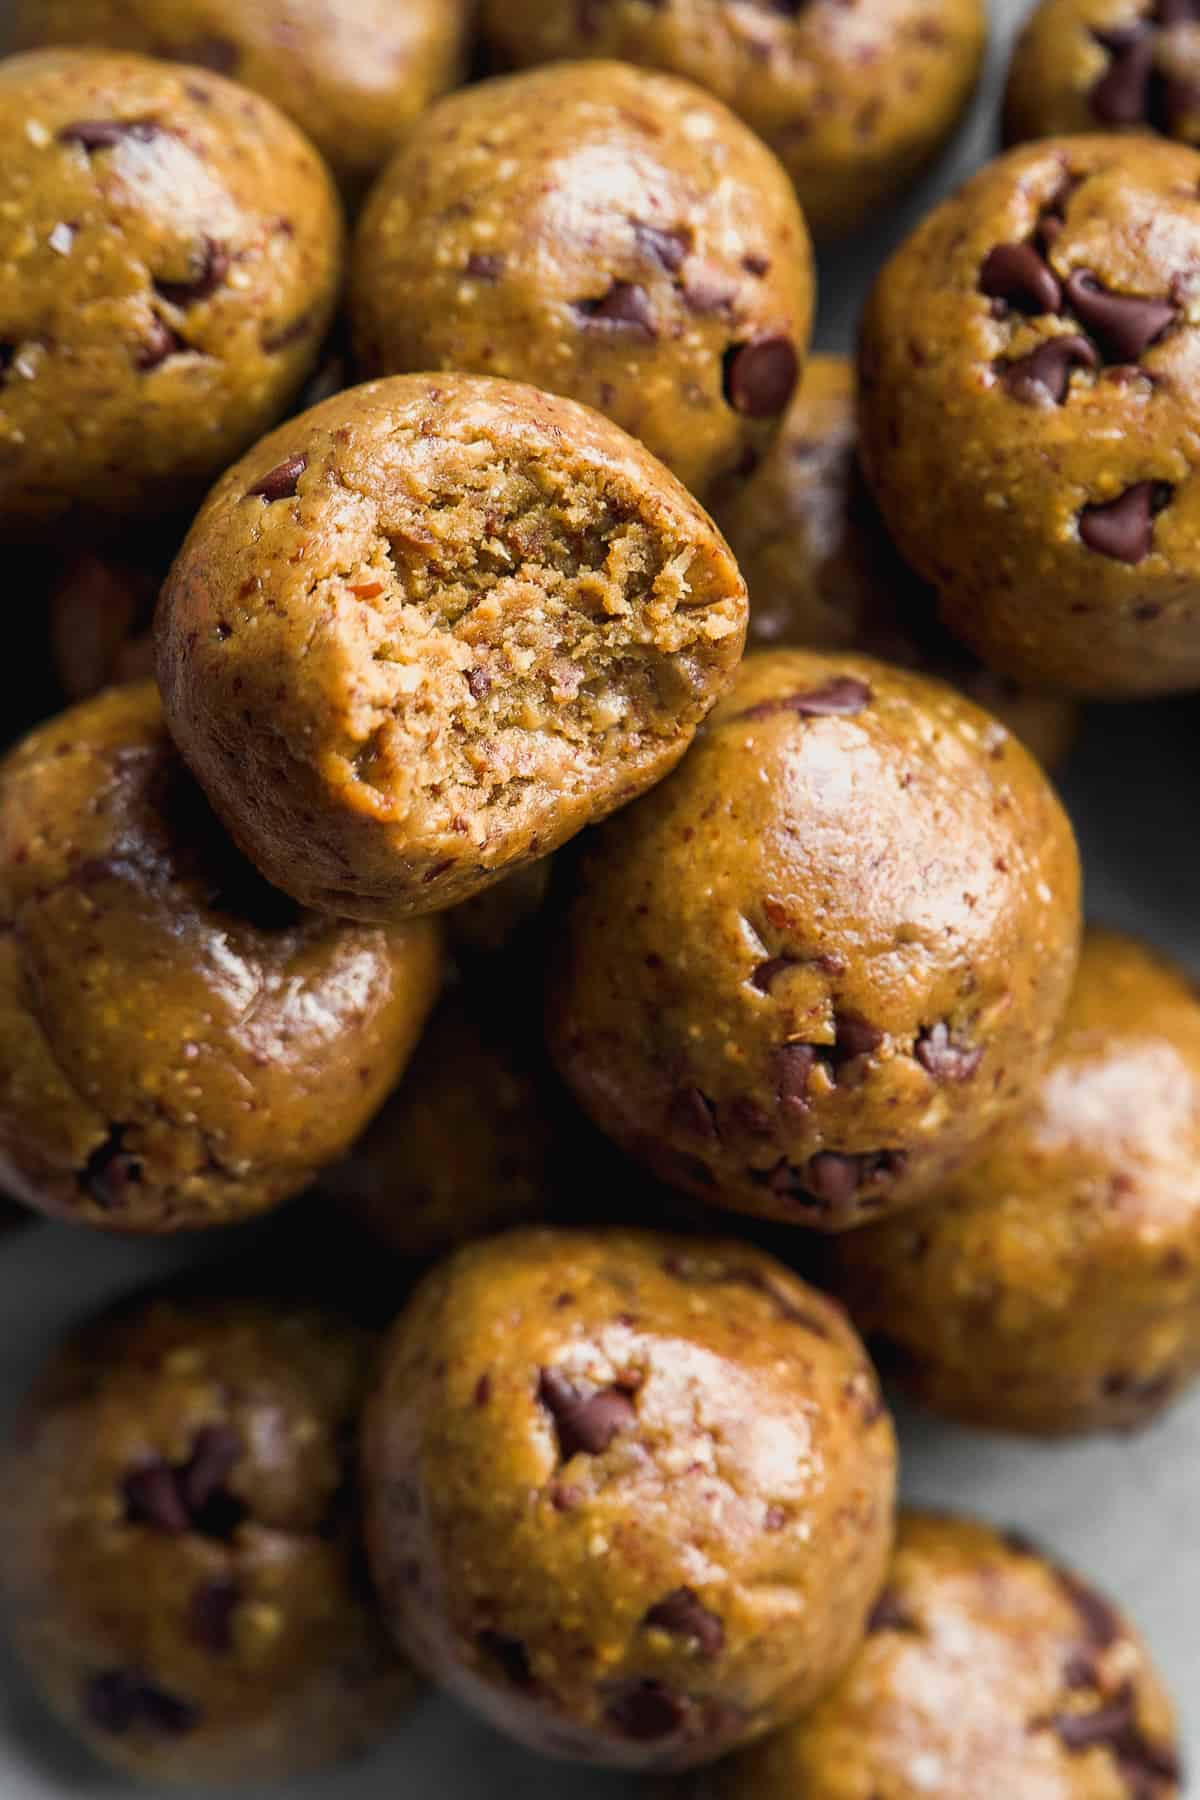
(280, 483)
(1046, 371)
(647, 1712)
(585, 1424)
(210, 1615)
(693, 1113)
(625, 307)
(483, 1391)
(767, 973)
(1122, 528)
(159, 343)
(106, 134)
(944, 1056)
(1016, 274)
(841, 698)
(211, 268)
(683, 1614)
(760, 377)
(757, 265)
(511, 1654)
(794, 1064)
(1124, 324)
(485, 265)
(668, 249)
(888, 1614)
(854, 1036)
(110, 1171)
(153, 1497)
(1122, 94)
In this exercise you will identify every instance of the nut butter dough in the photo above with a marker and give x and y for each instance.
(1054, 1285)
(1106, 65)
(179, 1044)
(431, 629)
(809, 973)
(178, 1543)
(170, 251)
(988, 1674)
(601, 232)
(629, 1495)
(1030, 409)
(853, 99)
(824, 575)
(354, 74)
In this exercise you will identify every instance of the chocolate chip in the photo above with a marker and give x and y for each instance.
(854, 1036)
(667, 248)
(1016, 274)
(110, 1171)
(118, 1699)
(564, 1497)
(1046, 371)
(775, 1519)
(841, 698)
(834, 1178)
(757, 265)
(625, 307)
(211, 267)
(106, 134)
(794, 1064)
(485, 265)
(210, 1615)
(585, 1424)
(479, 682)
(1081, 1670)
(766, 974)
(280, 483)
(760, 377)
(215, 1451)
(153, 1497)
(483, 1391)
(683, 1614)
(159, 343)
(944, 1056)
(511, 1654)
(1122, 94)
(1123, 528)
(888, 1614)
(647, 1712)
(1124, 324)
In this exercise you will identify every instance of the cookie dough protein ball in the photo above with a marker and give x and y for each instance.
(854, 100)
(1054, 1285)
(169, 256)
(824, 575)
(354, 74)
(428, 631)
(180, 1045)
(809, 973)
(1029, 413)
(1107, 65)
(601, 232)
(178, 1552)
(629, 1495)
(987, 1672)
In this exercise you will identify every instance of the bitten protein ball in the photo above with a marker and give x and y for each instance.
(179, 1553)
(987, 1671)
(601, 232)
(1106, 65)
(628, 1495)
(1029, 412)
(426, 632)
(180, 1045)
(824, 575)
(354, 74)
(170, 251)
(811, 972)
(1054, 1285)
(854, 100)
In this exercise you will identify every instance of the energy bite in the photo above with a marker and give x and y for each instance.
(1106, 65)
(854, 100)
(823, 573)
(601, 232)
(1053, 1285)
(813, 970)
(179, 1552)
(425, 633)
(628, 1495)
(1029, 412)
(354, 74)
(170, 251)
(988, 1672)
(180, 1045)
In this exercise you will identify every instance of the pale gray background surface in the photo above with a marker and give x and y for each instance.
(1126, 1512)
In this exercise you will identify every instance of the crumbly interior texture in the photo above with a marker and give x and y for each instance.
(988, 1670)
(464, 620)
(628, 1495)
(1053, 1286)
(179, 1549)
(180, 1045)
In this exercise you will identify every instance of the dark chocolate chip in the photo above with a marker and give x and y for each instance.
(485, 265)
(483, 1391)
(280, 483)
(110, 1172)
(647, 1712)
(211, 267)
(1046, 371)
(757, 265)
(1123, 528)
(215, 1452)
(153, 1497)
(833, 1178)
(1079, 1731)
(760, 377)
(625, 307)
(840, 698)
(854, 1036)
(1016, 274)
(159, 343)
(888, 1614)
(767, 973)
(668, 249)
(585, 1424)
(1081, 1670)
(1122, 95)
(794, 1064)
(693, 1113)
(511, 1655)
(106, 134)
(210, 1615)
(944, 1056)
(1124, 324)
(683, 1614)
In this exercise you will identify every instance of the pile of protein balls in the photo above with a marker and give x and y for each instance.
(402, 824)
